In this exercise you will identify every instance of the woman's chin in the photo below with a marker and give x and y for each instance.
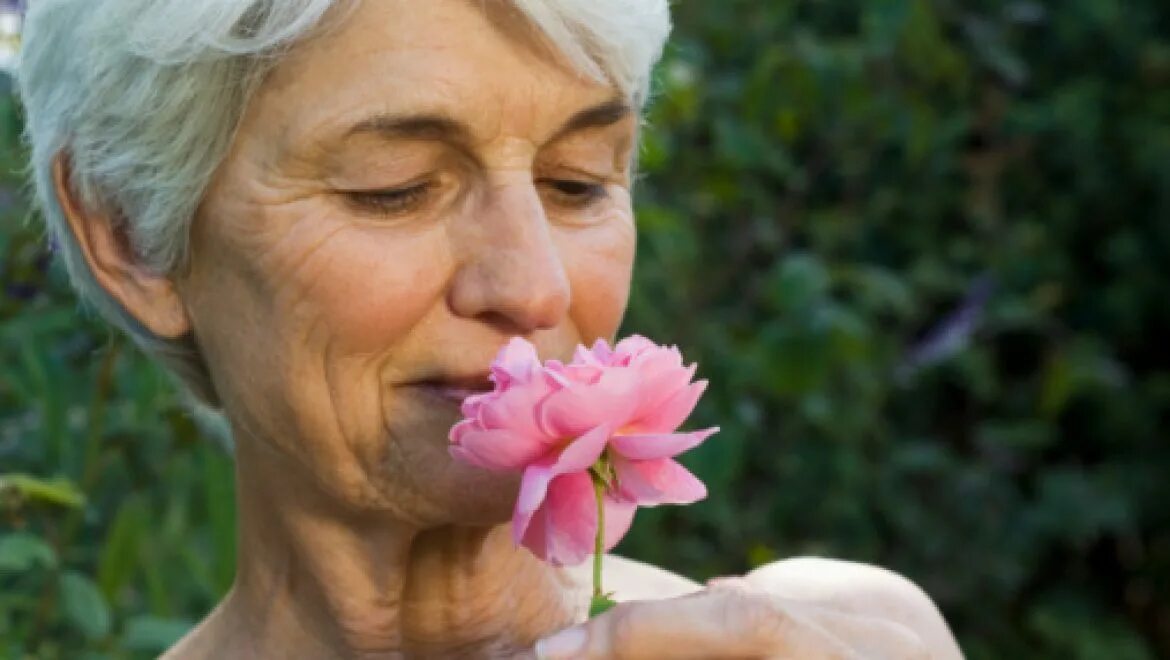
(479, 497)
(415, 452)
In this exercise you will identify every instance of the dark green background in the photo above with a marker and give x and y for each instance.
(920, 249)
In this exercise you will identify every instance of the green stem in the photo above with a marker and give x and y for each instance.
(599, 543)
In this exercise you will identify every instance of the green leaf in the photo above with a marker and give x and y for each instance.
(59, 491)
(600, 604)
(154, 634)
(21, 551)
(83, 605)
(119, 553)
(799, 281)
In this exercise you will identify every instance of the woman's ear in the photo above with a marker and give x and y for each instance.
(149, 297)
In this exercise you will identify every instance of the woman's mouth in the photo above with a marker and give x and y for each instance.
(455, 391)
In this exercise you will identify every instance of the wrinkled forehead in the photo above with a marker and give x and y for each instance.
(480, 64)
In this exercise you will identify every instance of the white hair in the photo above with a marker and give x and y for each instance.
(144, 97)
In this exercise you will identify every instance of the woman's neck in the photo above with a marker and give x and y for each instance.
(311, 583)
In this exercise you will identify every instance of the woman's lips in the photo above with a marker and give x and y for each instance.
(453, 393)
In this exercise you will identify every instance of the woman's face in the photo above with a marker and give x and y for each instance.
(406, 192)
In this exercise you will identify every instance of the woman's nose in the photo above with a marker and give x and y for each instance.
(509, 268)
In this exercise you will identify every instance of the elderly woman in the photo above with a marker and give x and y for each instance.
(325, 217)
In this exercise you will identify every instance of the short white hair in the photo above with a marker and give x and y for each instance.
(144, 98)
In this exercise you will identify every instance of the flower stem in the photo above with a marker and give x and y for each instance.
(599, 542)
(601, 600)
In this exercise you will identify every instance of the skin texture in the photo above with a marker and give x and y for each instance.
(405, 193)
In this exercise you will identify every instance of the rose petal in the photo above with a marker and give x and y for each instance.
(670, 414)
(515, 363)
(589, 357)
(578, 456)
(502, 449)
(534, 533)
(471, 404)
(564, 529)
(658, 445)
(515, 409)
(583, 452)
(459, 454)
(660, 383)
(619, 515)
(658, 481)
(460, 429)
(657, 358)
(533, 489)
(579, 408)
(584, 374)
(630, 347)
(555, 376)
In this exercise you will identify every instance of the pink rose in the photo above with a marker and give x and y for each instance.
(610, 414)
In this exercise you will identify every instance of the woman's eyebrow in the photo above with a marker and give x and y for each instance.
(422, 126)
(599, 116)
(439, 127)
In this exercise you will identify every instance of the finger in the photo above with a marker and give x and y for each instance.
(718, 623)
(732, 583)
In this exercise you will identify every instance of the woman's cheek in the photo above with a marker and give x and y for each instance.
(379, 287)
(599, 264)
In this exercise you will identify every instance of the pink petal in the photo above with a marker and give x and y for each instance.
(516, 362)
(583, 452)
(660, 383)
(577, 457)
(502, 449)
(619, 514)
(533, 489)
(657, 358)
(591, 357)
(658, 445)
(471, 404)
(585, 374)
(630, 347)
(534, 534)
(515, 408)
(459, 454)
(462, 428)
(579, 408)
(657, 481)
(670, 414)
(563, 532)
(554, 374)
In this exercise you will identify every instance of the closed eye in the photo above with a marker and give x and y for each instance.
(390, 201)
(574, 193)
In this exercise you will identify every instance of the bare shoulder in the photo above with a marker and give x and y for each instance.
(630, 579)
(861, 589)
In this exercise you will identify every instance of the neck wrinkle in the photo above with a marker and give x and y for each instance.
(314, 580)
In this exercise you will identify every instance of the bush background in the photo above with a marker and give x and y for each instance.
(919, 247)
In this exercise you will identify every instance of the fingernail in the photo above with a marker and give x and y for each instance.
(564, 644)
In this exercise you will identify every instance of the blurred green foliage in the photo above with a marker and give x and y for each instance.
(921, 249)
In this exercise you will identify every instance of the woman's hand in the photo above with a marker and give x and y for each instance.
(733, 619)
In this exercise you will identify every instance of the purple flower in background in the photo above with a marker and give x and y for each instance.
(952, 334)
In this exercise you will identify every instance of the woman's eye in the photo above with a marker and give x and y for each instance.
(574, 193)
(391, 200)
